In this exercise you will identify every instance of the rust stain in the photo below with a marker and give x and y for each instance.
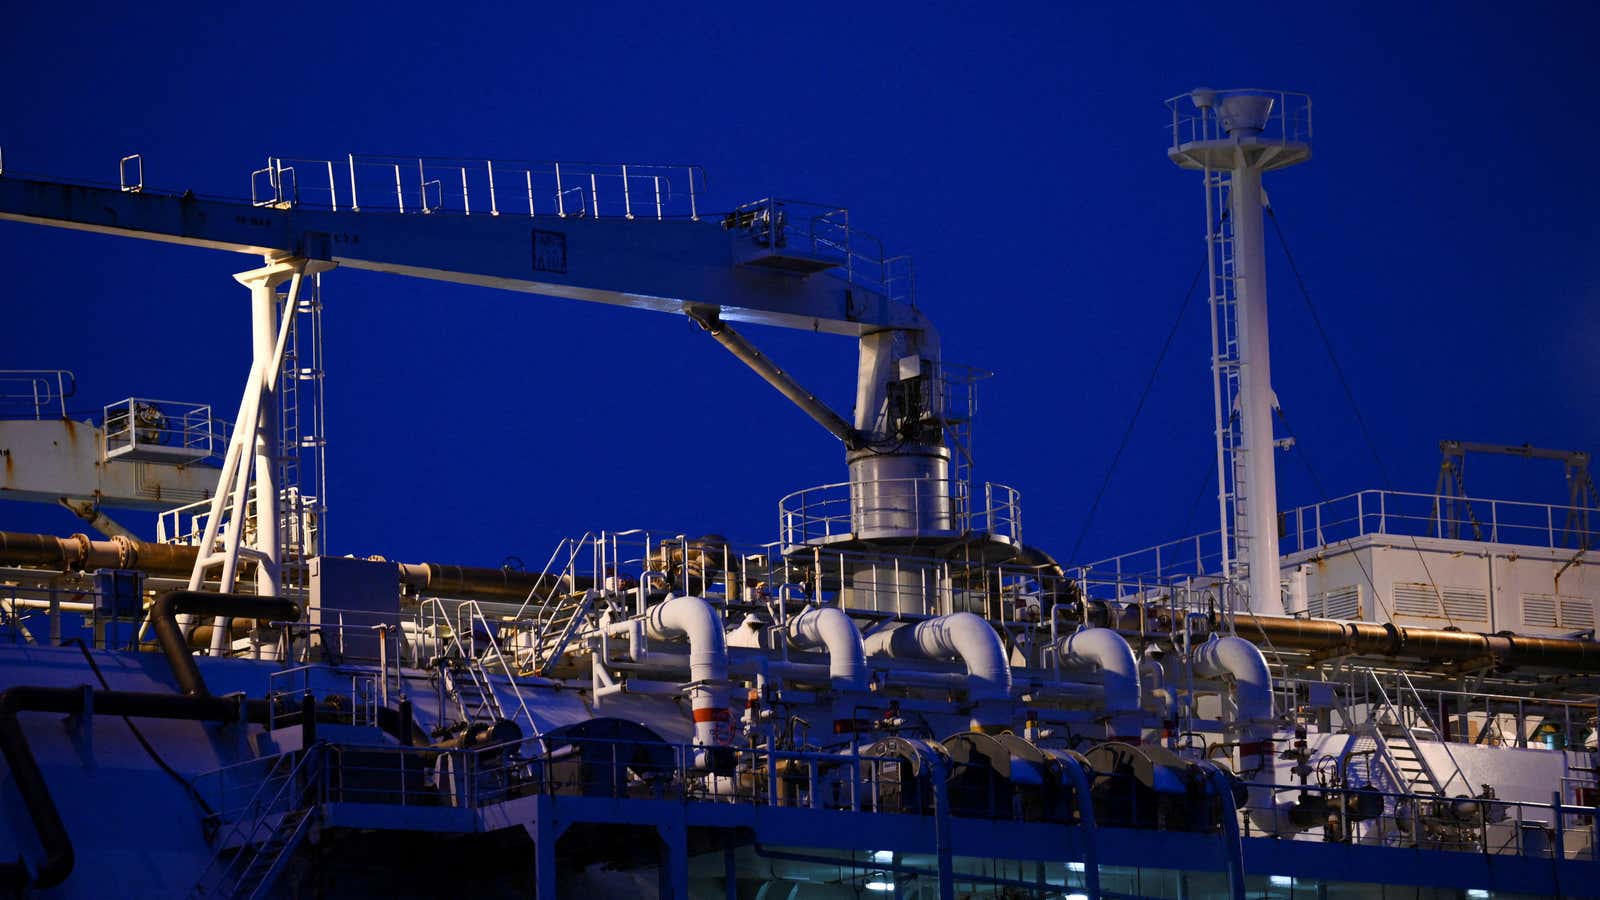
(10, 468)
(72, 432)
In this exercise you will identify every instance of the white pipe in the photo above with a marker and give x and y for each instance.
(830, 627)
(1249, 714)
(1158, 699)
(677, 618)
(1105, 651)
(962, 636)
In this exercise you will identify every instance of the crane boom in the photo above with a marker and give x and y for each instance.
(644, 264)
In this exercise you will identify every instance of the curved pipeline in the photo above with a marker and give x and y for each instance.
(694, 619)
(167, 607)
(1240, 663)
(1104, 650)
(830, 628)
(959, 636)
(59, 857)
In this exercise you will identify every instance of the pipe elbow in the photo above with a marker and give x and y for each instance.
(961, 636)
(1241, 662)
(697, 621)
(831, 628)
(1106, 650)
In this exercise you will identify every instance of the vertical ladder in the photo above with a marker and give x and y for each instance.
(302, 476)
(1225, 370)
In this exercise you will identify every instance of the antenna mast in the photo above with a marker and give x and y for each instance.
(1232, 137)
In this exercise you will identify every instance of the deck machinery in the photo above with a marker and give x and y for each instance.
(897, 697)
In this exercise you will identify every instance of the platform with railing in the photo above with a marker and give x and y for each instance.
(1400, 514)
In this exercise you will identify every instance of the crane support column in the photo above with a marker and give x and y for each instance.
(263, 340)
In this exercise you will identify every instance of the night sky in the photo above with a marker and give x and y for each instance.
(1446, 228)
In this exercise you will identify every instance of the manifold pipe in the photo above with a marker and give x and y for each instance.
(1105, 651)
(692, 618)
(169, 634)
(1241, 664)
(962, 636)
(830, 628)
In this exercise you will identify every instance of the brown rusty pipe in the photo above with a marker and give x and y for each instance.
(81, 553)
(1508, 651)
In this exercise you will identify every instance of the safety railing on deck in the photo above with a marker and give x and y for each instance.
(470, 187)
(1394, 513)
(1454, 716)
(927, 506)
(614, 769)
(36, 394)
(1369, 816)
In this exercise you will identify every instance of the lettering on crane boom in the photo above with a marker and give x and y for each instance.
(549, 251)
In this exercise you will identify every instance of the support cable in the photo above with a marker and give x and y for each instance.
(1144, 395)
(1361, 421)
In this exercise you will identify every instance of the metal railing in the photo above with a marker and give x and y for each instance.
(1288, 120)
(614, 769)
(481, 187)
(853, 508)
(1372, 512)
(36, 394)
(821, 232)
(140, 427)
(1554, 830)
(1456, 716)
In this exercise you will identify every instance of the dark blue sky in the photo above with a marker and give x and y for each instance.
(1446, 227)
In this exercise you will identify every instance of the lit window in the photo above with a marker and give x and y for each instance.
(889, 886)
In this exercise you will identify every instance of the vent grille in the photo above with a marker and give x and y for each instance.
(1340, 603)
(1556, 611)
(1417, 600)
(1539, 610)
(1464, 604)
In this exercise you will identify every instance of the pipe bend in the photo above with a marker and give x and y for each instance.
(1105, 650)
(960, 636)
(694, 619)
(1242, 662)
(830, 627)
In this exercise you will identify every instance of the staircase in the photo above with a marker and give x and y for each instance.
(466, 665)
(264, 836)
(1396, 713)
(561, 618)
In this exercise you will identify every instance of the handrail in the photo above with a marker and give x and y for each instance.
(263, 812)
(39, 387)
(1357, 514)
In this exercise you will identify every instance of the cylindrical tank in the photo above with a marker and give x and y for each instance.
(904, 495)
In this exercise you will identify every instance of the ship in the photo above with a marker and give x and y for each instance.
(1383, 694)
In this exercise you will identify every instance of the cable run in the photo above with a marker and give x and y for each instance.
(1127, 433)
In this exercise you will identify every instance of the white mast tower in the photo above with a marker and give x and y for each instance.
(1232, 137)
